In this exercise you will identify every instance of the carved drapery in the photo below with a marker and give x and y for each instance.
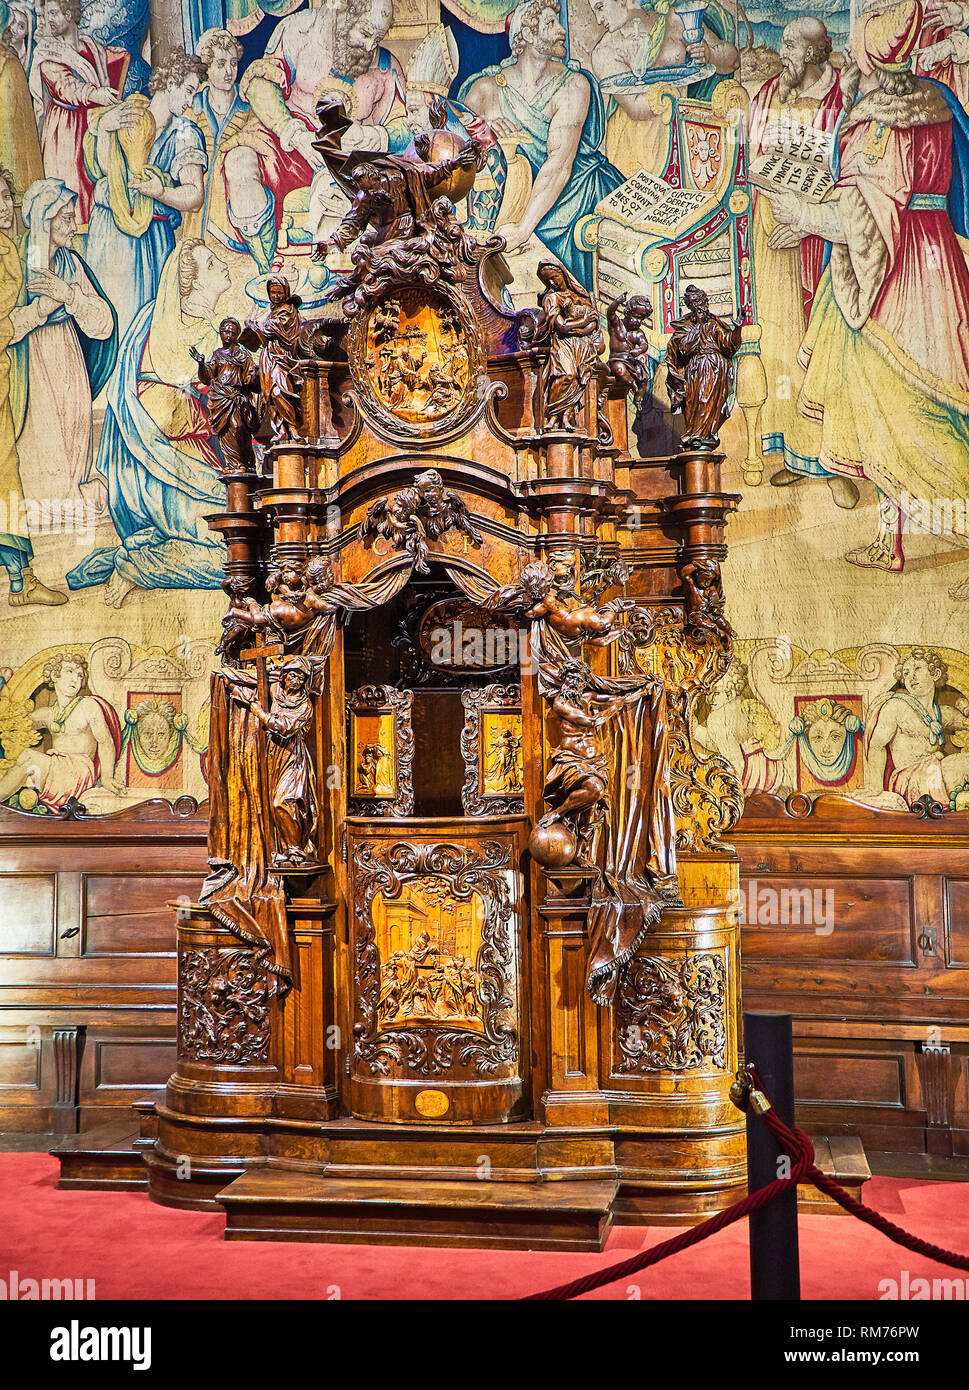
(691, 653)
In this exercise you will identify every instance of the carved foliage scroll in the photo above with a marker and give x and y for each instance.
(436, 1049)
(223, 1006)
(671, 1014)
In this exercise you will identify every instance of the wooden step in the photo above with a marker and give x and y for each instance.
(839, 1156)
(272, 1203)
(108, 1157)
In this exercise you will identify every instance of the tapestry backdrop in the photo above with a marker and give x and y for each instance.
(156, 162)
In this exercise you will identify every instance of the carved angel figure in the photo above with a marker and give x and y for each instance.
(568, 320)
(629, 345)
(540, 598)
(245, 617)
(424, 512)
(392, 194)
(699, 360)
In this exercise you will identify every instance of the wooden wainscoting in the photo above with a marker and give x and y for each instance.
(880, 1001)
(87, 960)
(879, 986)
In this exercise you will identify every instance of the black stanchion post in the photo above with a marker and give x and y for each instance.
(774, 1263)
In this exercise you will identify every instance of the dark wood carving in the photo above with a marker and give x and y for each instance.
(671, 1014)
(493, 768)
(369, 793)
(424, 512)
(699, 376)
(568, 321)
(284, 347)
(223, 1006)
(436, 1049)
(629, 366)
(232, 379)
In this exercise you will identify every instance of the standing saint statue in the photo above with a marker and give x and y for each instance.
(568, 319)
(292, 776)
(699, 362)
(233, 380)
(283, 344)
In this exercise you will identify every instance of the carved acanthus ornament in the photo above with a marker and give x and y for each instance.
(671, 1015)
(223, 1006)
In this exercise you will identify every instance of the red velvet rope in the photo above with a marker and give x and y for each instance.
(796, 1144)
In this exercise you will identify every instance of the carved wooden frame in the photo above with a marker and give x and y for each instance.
(474, 799)
(383, 869)
(384, 699)
(461, 416)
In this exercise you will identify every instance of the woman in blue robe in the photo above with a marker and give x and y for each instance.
(148, 163)
(156, 455)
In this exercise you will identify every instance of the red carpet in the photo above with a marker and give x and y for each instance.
(134, 1249)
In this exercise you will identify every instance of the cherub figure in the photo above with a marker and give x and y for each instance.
(629, 346)
(244, 618)
(539, 598)
(423, 512)
(233, 381)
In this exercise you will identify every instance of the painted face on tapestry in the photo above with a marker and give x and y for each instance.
(827, 738)
(17, 28)
(180, 97)
(550, 35)
(613, 14)
(63, 228)
(365, 30)
(56, 19)
(212, 272)
(223, 70)
(918, 678)
(795, 51)
(154, 733)
(6, 206)
(68, 682)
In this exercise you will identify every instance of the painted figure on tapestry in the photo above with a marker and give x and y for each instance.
(83, 738)
(335, 47)
(156, 456)
(555, 112)
(887, 361)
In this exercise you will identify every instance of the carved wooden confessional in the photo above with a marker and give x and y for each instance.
(467, 919)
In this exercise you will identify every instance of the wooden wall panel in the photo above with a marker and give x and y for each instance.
(880, 1002)
(87, 960)
(27, 914)
(880, 994)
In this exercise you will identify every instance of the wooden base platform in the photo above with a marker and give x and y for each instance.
(109, 1157)
(275, 1204)
(841, 1157)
